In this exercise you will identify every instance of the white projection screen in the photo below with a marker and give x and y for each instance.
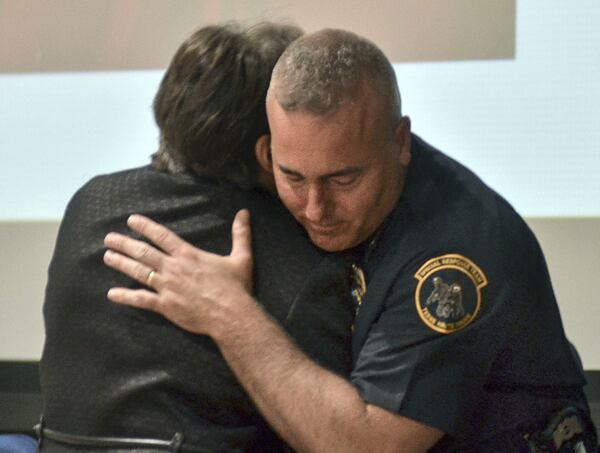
(511, 89)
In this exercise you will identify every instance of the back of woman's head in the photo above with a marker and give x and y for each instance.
(210, 106)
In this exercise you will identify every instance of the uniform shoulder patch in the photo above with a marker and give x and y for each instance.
(448, 294)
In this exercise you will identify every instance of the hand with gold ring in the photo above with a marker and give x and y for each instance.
(197, 290)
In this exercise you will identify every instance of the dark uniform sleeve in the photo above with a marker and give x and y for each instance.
(428, 353)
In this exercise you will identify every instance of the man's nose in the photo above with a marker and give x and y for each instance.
(316, 204)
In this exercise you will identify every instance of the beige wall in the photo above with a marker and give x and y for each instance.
(26, 251)
(572, 248)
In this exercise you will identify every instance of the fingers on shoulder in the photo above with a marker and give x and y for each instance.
(130, 267)
(138, 298)
(160, 235)
(241, 233)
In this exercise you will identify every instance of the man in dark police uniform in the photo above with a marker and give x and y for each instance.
(458, 343)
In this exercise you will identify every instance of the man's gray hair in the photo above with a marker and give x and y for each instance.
(320, 71)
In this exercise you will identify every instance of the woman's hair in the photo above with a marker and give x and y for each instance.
(210, 107)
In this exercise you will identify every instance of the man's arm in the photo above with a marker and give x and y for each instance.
(313, 409)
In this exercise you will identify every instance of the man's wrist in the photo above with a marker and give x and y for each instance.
(239, 315)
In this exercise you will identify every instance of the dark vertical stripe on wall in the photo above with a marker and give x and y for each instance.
(19, 377)
(592, 390)
(20, 398)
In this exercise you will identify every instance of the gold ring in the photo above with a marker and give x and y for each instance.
(150, 277)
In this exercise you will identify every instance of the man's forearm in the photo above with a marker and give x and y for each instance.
(310, 407)
(290, 390)
(313, 409)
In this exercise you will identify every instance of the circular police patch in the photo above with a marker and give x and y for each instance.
(448, 295)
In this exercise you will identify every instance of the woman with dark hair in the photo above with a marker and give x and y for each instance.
(121, 379)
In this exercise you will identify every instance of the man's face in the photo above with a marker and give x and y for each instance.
(339, 174)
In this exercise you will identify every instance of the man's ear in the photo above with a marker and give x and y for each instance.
(402, 137)
(262, 149)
